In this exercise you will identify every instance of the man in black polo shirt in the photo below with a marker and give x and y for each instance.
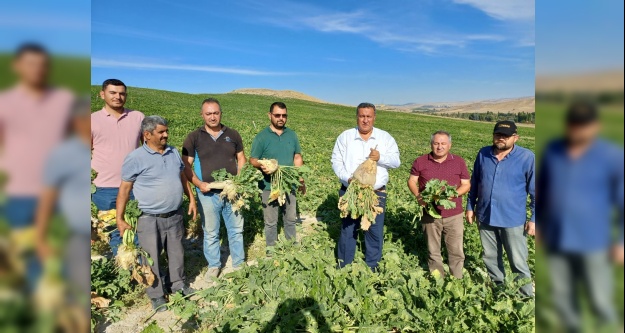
(211, 147)
(278, 142)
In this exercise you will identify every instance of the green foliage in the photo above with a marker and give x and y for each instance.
(153, 328)
(94, 174)
(437, 193)
(518, 117)
(401, 295)
(94, 210)
(360, 201)
(132, 212)
(111, 283)
(241, 189)
(285, 180)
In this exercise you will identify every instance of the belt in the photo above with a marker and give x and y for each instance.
(163, 215)
(381, 189)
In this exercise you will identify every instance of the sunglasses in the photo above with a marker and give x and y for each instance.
(280, 115)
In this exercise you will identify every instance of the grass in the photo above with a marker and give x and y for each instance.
(69, 72)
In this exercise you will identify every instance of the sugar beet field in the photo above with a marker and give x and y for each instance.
(299, 289)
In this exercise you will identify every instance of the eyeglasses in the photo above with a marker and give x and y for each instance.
(284, 115)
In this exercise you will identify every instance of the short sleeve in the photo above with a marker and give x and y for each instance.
(188, 147)
(55, 170)
(257, 147)
(130, 169)
(298, 148)
(464, 171)
(415, 168)
(238, 141)
(179, 159)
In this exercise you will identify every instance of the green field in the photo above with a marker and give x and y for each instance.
(66, 71)
(301, 290)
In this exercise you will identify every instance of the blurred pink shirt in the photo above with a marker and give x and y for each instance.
(112, 140)
(30, 128)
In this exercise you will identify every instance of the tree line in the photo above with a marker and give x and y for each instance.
(519, 117)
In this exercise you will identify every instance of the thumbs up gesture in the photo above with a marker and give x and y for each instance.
(374, 154)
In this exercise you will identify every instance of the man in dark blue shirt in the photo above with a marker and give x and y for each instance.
(580, 185)
(503, 177)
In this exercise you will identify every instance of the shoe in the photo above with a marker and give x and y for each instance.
(158, 304)
(186, 291)
(212, 273)
(238, 268)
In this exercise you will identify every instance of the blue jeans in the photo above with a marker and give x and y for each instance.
(374, 237)
(514, 241)
(105, 198)
(212, 208)
(20, 213)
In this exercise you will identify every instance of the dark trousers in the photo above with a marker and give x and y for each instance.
(374, 237)
(156, 234)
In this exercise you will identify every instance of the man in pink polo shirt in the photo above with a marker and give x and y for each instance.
(33, 120)
(115, 132)
(441, 164)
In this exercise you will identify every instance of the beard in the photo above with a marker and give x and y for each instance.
(502, 146)
(278, 125)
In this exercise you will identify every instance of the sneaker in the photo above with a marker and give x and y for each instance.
(212, 273)
(238, 268)
(158, 304)
(186, 291)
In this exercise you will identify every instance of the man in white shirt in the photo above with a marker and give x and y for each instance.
(353, 147)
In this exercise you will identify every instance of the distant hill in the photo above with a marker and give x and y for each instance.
(504, 105)
(592, 82)
(278, 93)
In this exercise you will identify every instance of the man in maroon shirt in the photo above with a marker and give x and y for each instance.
(440, 164)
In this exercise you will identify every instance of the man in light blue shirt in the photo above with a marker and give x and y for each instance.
(155, 174)
(353, 147)
(503, 177)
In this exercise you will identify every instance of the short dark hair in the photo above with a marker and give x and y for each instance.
(365, 106)
(211, 100)
(582, 112)
(280, 105)
(30, 48)
(112, 82)
(441, 132)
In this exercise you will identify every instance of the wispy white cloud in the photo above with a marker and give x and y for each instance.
(522, 10)
(334, 59)
(338, 22)
(394, 32)
(103, 63)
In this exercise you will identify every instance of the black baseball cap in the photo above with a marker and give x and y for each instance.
(505, 127)
(582, 113)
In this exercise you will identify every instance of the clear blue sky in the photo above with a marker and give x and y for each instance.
(340, 51)
(63, 26)
(578, 36)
